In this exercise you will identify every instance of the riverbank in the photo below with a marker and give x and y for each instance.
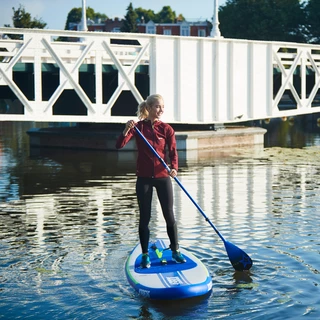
(82, 138)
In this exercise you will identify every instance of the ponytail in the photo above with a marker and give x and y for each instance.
(142, 111)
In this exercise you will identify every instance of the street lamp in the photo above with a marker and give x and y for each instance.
(215, 32)
(84, 16)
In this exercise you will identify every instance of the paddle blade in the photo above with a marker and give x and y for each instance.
(238, 258)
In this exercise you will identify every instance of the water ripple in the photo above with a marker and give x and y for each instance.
(65, 236)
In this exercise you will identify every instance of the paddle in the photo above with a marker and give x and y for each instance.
(238, 258)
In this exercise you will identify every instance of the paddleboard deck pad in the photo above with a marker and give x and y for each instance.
(166, 279)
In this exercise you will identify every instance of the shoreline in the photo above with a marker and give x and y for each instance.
(72, 137)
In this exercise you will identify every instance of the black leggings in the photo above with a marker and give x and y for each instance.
(144, 189)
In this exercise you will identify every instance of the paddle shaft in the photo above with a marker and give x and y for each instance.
(180, 184)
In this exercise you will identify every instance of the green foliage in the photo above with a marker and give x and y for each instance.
(147, 15)
(313, 20)
(75, 16)
(271, 20)
(166, 15)
(23, 19)
(130, 21)
(135, 16)
(102, 16)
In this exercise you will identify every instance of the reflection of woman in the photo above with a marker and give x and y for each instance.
(151, 172)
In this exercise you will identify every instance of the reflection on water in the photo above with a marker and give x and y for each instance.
(69, 218)
(292, 132)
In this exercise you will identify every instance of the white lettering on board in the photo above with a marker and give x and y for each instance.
(174, 281)
(144, 293)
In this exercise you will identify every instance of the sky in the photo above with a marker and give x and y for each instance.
(55, 12)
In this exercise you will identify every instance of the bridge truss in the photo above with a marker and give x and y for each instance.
(203, 80)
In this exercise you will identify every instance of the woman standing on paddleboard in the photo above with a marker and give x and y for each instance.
(151, 172)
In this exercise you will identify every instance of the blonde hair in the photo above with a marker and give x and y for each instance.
(142, 111)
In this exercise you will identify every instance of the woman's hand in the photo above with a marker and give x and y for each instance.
(173, 173)
(129, 125)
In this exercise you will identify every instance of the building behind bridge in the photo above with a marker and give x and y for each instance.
(177, 28)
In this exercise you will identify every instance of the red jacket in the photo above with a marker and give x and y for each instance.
(159, 136)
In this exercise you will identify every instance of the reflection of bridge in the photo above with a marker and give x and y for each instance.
(101, 77)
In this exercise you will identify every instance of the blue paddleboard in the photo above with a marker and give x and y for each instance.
(166, 279)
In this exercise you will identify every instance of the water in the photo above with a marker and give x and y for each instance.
(69, 218)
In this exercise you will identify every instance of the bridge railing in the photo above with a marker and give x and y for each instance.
(203, 80)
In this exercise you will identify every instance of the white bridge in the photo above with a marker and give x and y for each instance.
(203, 80)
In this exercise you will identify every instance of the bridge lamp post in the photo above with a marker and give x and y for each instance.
(215, 32)
(84, 16)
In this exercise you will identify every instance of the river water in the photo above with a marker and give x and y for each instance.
(68, 220)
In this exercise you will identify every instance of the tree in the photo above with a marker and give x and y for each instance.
(130, 21)
(166, 15)
(75, 16)
(312, 10)
(180, 17)
(271, 20)
(145, 15)
(23, 19)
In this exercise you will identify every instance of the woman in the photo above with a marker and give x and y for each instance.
(151, 172)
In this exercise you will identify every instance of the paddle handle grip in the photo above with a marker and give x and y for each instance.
(180, 184)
